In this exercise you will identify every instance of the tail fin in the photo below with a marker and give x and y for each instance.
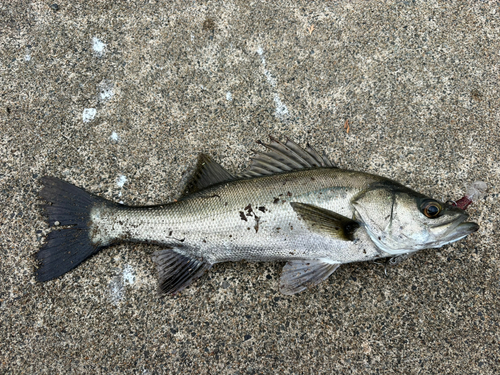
(65, 248)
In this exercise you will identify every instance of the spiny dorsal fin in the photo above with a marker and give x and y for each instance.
(298, 275)
(325, 221)
(177, 271)
(207, 173)
(284, 158)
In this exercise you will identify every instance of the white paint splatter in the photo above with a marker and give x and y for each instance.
(116, 289)
(105, 91)
(114, 137)
(267, 73)
(120, 181)
(27, 57)
(270, 78)
(229, 96)
(117, 284)
(88, 114)
(260, 51)
(192, 37)
(128, 274)
(98, 46)
(281, 109)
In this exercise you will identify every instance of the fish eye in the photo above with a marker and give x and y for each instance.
(431, 209)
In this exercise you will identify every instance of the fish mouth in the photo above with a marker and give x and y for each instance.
(459, 231)
(464, 229)
(453, 229)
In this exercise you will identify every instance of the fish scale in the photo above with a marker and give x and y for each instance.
(291, 205)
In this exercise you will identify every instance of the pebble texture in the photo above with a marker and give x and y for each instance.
(119, 97)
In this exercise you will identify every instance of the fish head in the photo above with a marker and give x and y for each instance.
(400, 220)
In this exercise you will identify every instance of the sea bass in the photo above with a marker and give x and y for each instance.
(291, 205)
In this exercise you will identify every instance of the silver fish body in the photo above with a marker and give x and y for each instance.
(291, 205)
(247, 219)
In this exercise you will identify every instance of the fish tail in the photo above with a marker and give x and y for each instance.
(65, 248)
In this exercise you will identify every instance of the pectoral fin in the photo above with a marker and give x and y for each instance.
(325, 221)
(298, 275)
(177, 271)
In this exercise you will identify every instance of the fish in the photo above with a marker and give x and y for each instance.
(292, 205)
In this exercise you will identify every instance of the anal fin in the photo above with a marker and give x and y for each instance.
(177, 271)
(298, 275)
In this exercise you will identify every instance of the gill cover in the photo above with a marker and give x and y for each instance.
(400, 220)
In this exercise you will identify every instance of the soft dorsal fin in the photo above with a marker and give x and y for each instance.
(284, 158)
(207, 173)
(325, 221)
(298, 275)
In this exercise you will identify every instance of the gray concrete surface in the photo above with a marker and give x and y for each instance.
(119, 98)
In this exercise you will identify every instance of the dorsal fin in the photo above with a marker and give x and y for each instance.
(207, 173)
(284, 158)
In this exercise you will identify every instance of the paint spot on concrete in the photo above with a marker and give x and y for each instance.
(117, 284)
(98, 46)
(105, 91)
(88, 114)
(229, 96)
(121, 180)
(281, 109)
(114, 137)
(128, 274)
(116, 289)
(270, 78)
(267, 73)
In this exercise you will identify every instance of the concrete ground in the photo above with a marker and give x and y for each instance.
(119, 97)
